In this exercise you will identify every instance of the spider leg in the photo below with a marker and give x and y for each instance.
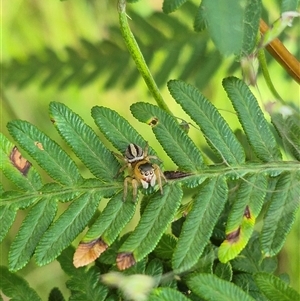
(159, 175)
(134, 184)
(123, 168)
(127, 179)
(119, 156)
(154, 157)
(122, 158)
(146, 149)
(146, 154)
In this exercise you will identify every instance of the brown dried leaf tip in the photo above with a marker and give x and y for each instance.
(176, 174)
(88, 252)
(125, 261)
(19, 162)
(233, 236)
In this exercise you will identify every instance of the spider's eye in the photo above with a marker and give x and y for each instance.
(146, 169)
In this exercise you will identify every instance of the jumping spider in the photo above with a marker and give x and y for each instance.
(141, 170)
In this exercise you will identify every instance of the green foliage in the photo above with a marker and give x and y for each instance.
(215, 129)
(45, 237)
(170, 5)
(111, 221)
(249, 113)
(240, 220)
(289, 130)
(87, 147)
(86, 64)
(289, 5)
(224, 21)
(64, 230)
(210, 287)
(195, 237)
(275, 289)
(85, 286)
(177, 144)
(35, 224)
(157, 215)
(164, 293)
(32, 181)
(16, 287)
(56, 295)
(200, 222)
(280, 214)
(252, 260)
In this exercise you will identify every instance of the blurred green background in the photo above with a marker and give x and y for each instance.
(32, 26)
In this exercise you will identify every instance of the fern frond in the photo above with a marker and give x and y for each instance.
(252, 260)
(210, 287)
(89, 61)
(289, 5)
(251, 19)
(155, 269)
(252, 119)
(15, 287)
(18, 200)
(177, 144)
(7, 217)
(227, 35)
(247, 283)
(281, 213)
(85, 285)
(64, 230)
(224, 271)
(165, 246)
(170, 6)
(241, 220)
(216, 130)
(274, 288)
(200, 22)
(47, 153)
(112, 220)
(200, 222)
(289, 130)
(56, 295)
(166, 294)
(117, 129)
(65, 260)
(33, 227)
(157, 215)
(84, 142)
(16, 168)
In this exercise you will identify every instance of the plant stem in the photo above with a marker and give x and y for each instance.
(264, 68)
(282, 55)
(138, 58)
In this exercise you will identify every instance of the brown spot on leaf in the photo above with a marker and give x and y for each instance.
(233, 236)
(176, 174)
(39, 145)
(19, 162)
(247, 213)
(153, 122)
(88, 252)
(125, 260)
